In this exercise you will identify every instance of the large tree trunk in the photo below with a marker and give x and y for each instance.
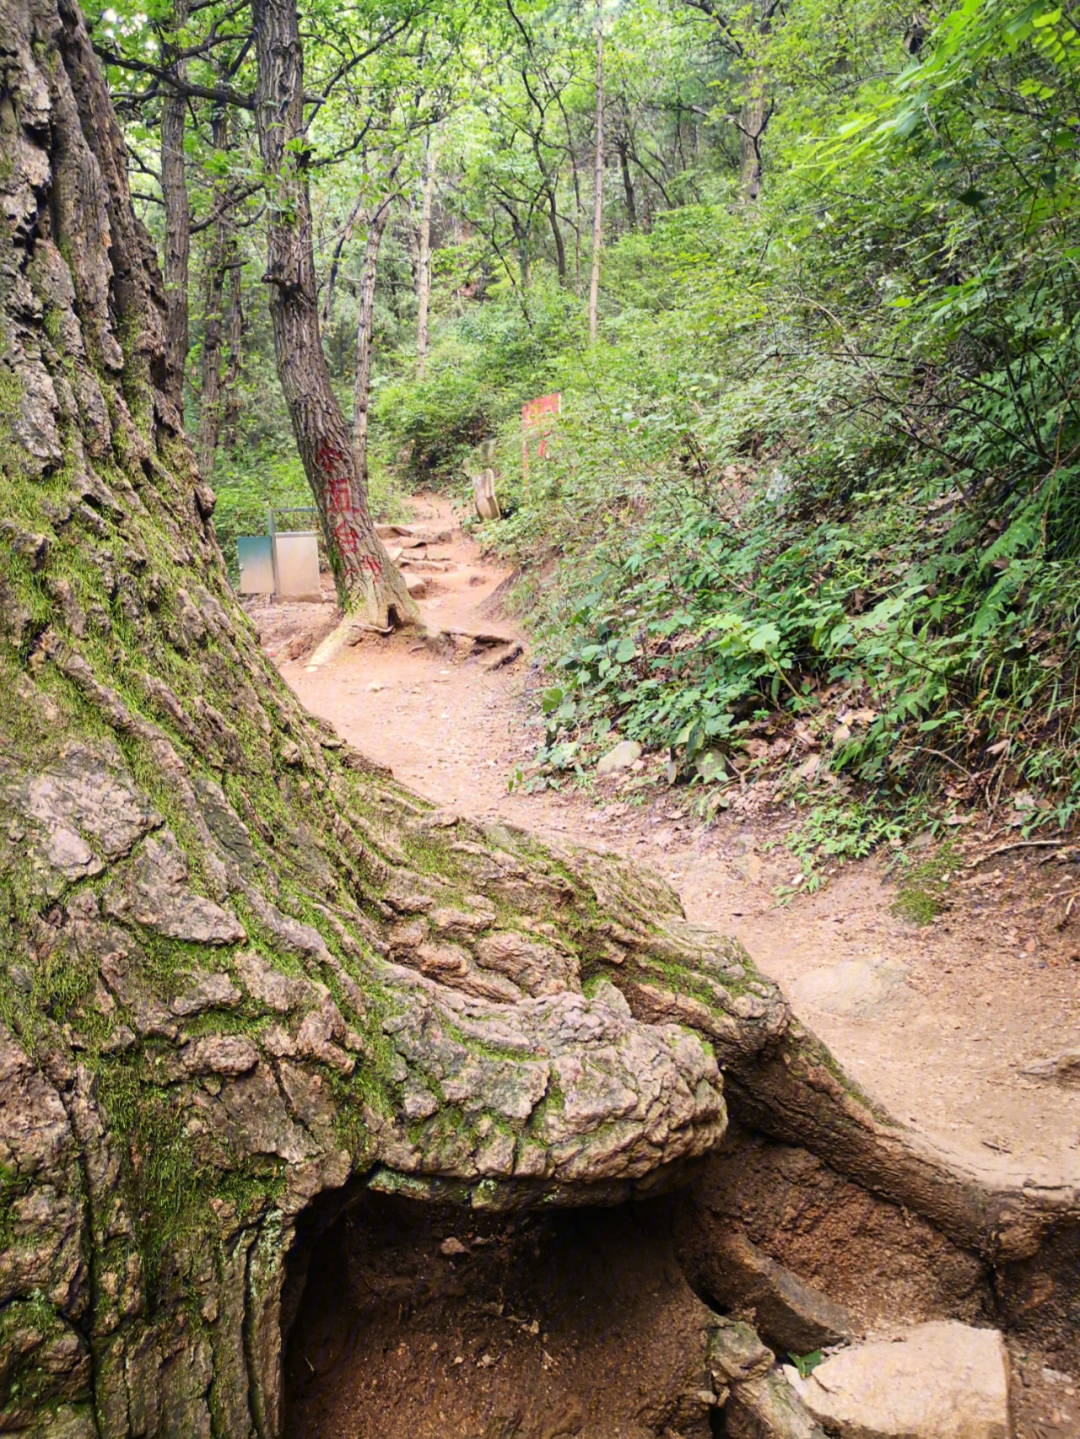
(368, 584)
(244, 976)
(177, 224)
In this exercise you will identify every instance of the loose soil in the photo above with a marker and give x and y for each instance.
(936, 1022)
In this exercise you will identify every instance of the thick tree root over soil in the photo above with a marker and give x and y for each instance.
(246, 978)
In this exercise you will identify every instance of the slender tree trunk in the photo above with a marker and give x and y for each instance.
(221, 256)
(423, 262)
(210, 399)
(234, 333)
(753, 121)
(177, 223)
(623, 146)
(367, 582)
(335, 264)
(365, 326)
(560, 248)
(598, 183)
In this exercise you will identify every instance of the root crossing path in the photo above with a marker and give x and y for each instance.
(938, 1023)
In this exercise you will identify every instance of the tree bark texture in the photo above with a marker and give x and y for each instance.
(368, 584)
(244, 975)
(598, 179)
(177, 222)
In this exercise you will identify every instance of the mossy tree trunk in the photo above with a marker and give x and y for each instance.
(242, 972)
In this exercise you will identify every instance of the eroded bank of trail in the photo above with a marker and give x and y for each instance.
(938, 1022)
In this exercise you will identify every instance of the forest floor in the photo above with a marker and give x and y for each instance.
(938, 1022)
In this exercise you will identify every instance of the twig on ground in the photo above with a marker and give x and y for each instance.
(1019, 844)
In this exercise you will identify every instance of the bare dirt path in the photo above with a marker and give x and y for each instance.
(936, 1022)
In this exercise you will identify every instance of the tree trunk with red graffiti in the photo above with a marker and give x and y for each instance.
(368, 583)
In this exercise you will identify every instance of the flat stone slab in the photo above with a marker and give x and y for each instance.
(858, 988)
(939, 1381)
(621, 757)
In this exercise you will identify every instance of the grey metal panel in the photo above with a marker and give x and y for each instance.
(256, 559)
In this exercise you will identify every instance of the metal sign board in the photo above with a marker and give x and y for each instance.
(297, 556)
(256, 557)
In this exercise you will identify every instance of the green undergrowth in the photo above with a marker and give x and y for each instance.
(820, 475)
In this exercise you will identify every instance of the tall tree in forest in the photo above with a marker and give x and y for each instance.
(174, 192)
(222, 263)
(423, 251)
(368, 583)
(365, 323)
(598, 177)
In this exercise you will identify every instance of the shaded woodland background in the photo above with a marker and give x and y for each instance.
(822, 457)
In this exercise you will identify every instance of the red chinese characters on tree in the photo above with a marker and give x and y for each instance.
(537, 423)
(335, 466)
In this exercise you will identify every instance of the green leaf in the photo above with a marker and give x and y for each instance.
(807, 1363)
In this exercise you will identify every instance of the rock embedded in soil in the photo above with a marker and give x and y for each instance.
(621, 757)
(861, 988)
(790, 1313)
(1063, 1069)
(939, 1380)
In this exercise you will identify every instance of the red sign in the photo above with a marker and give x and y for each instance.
(536, 419)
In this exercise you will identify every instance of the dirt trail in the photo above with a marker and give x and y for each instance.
(937, 1023)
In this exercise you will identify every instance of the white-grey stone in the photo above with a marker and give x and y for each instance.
(860, 988)
(938, 1381)
(621, 757)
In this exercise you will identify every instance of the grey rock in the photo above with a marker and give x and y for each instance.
(736, 1354)
(535, 967)
(321, 1034)
(621, 757)
(279, 992)
(205, 991)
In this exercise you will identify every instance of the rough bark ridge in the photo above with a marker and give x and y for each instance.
(239, 968)
(368, 583)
